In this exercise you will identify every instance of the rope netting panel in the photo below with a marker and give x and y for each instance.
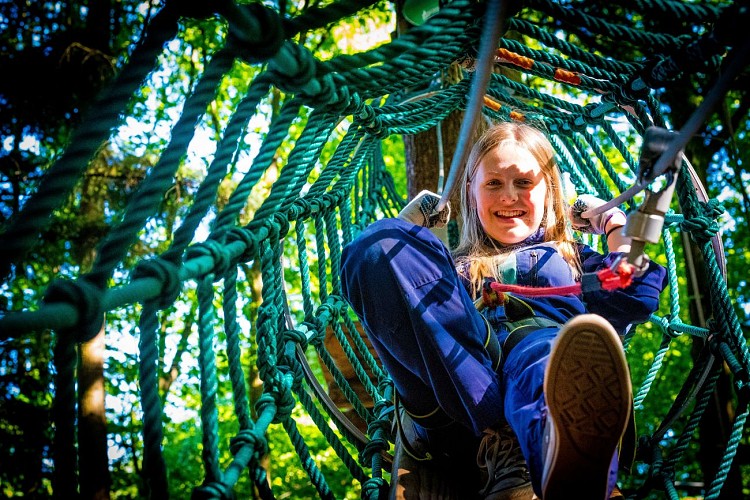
(351, 104)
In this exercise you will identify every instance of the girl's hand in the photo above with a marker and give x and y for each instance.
(421, 211)
(602, 223)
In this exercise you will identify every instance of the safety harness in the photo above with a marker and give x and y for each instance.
(520, 321)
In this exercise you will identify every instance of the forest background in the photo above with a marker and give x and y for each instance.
(56, 56)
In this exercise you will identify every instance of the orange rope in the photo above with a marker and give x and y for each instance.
(507, 56)
(492, 104)
(565, 76)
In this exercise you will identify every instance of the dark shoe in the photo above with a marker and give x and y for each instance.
(588, 393)
(502, 463)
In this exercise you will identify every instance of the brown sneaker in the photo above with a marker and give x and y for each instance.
(588, 393)
(502, 463)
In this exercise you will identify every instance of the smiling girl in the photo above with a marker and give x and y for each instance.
(542, 368)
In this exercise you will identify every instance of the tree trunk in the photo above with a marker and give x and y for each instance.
(92, 424)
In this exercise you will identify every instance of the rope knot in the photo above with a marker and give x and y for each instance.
(281, 220)
(354, 106)
(330, 94)
(168, 275)
(385, 384)
(297, 336)
(267, 40)
(85, 297)
(265, 401)
(668, 328)
(213, 249)
(293, 68)
(593, 113)
(318, 335)
(704, 227)
(374, 488)
(246, 237)
(376, 444)
(627, 94)
(248, 437)
(377, 129)
(300, 209)
(281, 395)
(326, 314)
(366, 113)
(579, 123)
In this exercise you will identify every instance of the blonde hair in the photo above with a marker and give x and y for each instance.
(477, 252)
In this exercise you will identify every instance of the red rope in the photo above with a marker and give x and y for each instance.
(609, 280)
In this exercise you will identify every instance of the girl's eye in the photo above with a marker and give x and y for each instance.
(493, 182)
(524, 182)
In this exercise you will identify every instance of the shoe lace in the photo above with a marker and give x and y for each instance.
(500, 454)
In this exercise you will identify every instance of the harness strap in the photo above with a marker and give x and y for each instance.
(436, 418)
(405, 428)
(492, 346)
(522, 328)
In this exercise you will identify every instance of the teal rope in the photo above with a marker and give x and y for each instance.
(568, 164)
(674, 285)
(308, 464)
(209, 382)
(304, 269)
(334, 244)
(576, 53)
(154, 468)
(354, 469)
(234, 351)
(271, 143)
(95, 128)
(320, 250)
(225, 150)
(310, 142)
(593, 174)
(680, 11)
(336, 166)
(651, 375)
(359, 343)
(730, 451)
(608, 78)
(415, 37)
(268, 324)
(577, 17)
(318, 17)
(356, 364)
(340, 380)
(149, 194)
(604, 161)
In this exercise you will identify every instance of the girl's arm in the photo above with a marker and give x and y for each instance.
(626, 306)
(615, 233)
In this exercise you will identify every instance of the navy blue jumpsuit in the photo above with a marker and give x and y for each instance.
(403, 285)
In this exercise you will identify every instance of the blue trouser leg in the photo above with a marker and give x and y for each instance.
(525, 407)
(401, 281)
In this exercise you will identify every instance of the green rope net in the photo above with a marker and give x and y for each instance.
(316, 207)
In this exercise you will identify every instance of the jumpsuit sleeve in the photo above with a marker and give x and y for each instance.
(631, 305)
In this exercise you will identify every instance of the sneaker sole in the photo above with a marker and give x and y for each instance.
(524, 492)
(588, 393)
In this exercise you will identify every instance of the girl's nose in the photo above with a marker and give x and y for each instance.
(508, 193)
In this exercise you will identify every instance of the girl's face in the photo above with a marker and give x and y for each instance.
(510, 193)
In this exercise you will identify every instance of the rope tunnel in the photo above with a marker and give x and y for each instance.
(341, 115)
